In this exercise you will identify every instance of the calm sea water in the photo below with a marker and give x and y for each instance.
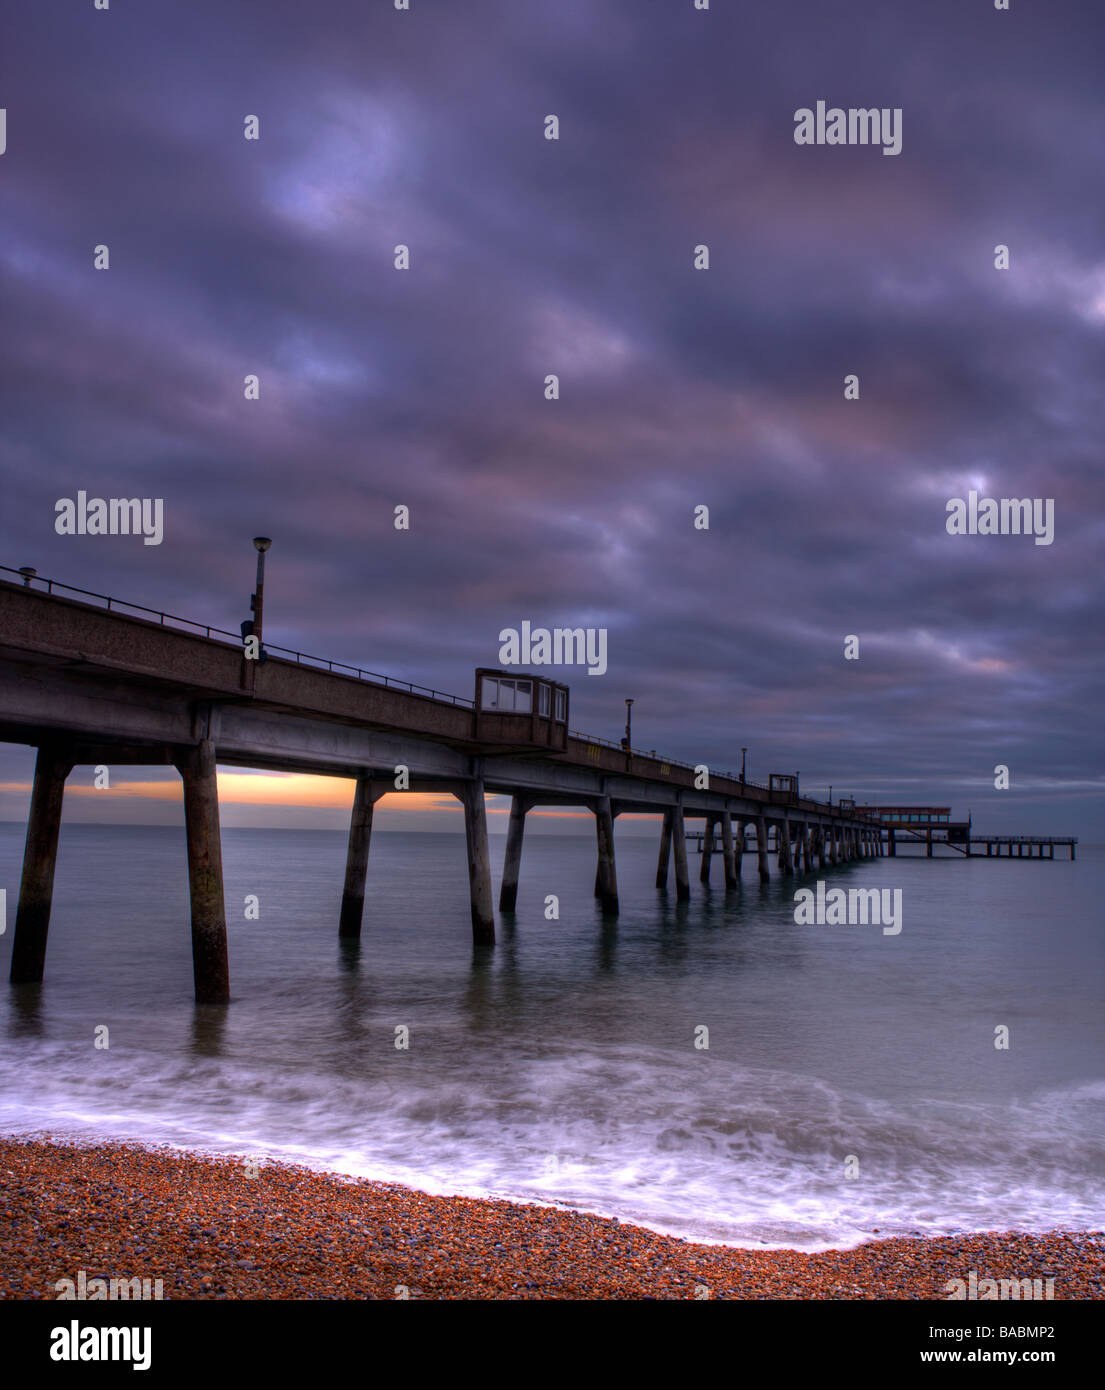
(561, 1066)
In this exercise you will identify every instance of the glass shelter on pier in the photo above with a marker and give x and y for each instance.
(521, 711)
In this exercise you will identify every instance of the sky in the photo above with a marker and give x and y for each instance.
(679, 387)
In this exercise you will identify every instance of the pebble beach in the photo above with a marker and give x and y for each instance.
(217, 1228)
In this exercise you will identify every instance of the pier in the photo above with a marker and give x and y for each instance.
(86, 679)
(933, 825)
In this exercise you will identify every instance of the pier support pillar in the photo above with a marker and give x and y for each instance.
(356, 857)
(928, 843)
(727, 849)
(761, 849)
(479, 863)
(785, 852)
(891, 843)
(512, 863)
(210, 969)
(665, 850)
(707, 849)
(40, 854)
(679, 854)
(832, 843)
(607, 871)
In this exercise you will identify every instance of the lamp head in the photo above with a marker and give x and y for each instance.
(262, 543)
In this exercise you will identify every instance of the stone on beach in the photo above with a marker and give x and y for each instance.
(207, 1229)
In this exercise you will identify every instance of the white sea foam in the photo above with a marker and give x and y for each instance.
(746, 1156)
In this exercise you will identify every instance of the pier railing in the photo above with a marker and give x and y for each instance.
(115, 605)
(220, 634)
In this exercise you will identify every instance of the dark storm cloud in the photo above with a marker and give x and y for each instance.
(574, 257)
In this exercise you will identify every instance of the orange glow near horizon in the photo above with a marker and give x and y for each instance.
(292, 789)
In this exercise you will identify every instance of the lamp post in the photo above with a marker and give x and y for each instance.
(830, 793)
(628, 725)
(743, 753)
(257, 603)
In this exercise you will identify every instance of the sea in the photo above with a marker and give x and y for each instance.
(711, 1069)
